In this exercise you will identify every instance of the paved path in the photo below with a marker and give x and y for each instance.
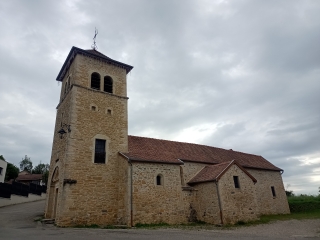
(16, 222)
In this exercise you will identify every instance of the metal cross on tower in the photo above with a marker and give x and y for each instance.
(94, 45)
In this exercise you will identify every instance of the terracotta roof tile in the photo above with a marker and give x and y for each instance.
(157, 150)
(209, 173)
(215, 172)
(29, 177)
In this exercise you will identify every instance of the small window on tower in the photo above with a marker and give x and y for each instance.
(108, 84)
(1, 170)
(95, 81)
(93, 108)
(100, 151)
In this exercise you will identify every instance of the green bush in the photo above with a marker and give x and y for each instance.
(304, 203)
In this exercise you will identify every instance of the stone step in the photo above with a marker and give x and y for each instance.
(48, 221)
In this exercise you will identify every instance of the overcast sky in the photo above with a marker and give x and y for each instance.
(231, 74)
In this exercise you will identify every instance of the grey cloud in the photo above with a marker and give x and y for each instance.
(249, 68)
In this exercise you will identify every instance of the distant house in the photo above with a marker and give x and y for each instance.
(27, 178)
(3, 168)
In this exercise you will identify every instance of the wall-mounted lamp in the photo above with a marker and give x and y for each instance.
(62, 131)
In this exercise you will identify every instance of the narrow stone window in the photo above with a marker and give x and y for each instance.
(159, 179)
(108, 84)
(273, 191)
(1, 170)
(109, 111)
(95, 81)
(236, 181)
(93, 108)
(100, 151)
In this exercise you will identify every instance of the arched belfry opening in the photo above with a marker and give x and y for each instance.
(95, 81)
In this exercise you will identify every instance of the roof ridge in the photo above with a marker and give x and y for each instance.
(197, 145)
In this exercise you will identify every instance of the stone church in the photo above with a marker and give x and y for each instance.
(101, 175)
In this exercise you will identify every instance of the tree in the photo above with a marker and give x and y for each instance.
(289, 193)
(26, 164)
(1, 157)
(43, 169)
(11, 172)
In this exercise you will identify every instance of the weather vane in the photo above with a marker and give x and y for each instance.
(94, 45)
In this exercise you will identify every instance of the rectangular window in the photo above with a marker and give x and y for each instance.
(1, 170)
(100, 151)
(273, 191)
(236, 181)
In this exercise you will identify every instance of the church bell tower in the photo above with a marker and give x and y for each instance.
(86, 182)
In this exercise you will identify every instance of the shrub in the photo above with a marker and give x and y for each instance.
(304, 203)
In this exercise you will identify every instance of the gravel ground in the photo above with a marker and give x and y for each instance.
(308, 228)
(16, 222)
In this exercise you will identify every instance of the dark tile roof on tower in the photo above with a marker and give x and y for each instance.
(92, 54)
(163, 151)
(95, 52)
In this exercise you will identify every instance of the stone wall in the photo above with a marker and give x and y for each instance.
(165, 203)
(238, 204)
(190, 169)
(206, 203)
(266, 202)
(123, 216)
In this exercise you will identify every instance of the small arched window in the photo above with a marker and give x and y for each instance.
(95, 81)
(159, 180)
(108, 84)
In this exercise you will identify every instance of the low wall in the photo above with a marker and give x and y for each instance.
(16, 199)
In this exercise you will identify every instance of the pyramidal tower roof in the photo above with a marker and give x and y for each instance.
(93, 53)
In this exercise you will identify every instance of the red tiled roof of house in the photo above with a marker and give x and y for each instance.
(163, 151)
(214, 172)
(29, 177)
